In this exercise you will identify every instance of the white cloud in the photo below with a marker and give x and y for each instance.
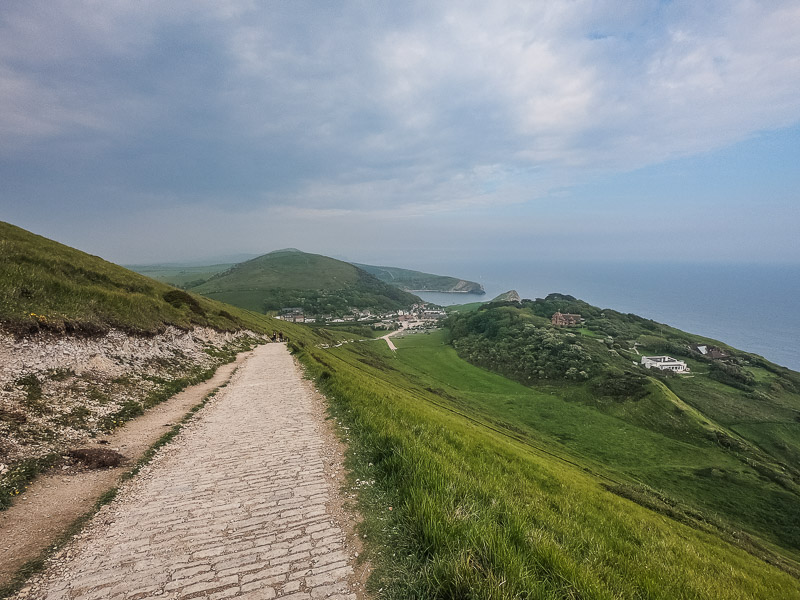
(397, 111)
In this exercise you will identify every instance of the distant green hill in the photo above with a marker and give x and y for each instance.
(45, 285)
(417, 281)
(318, 284)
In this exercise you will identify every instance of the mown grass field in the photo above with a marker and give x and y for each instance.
(464, 502)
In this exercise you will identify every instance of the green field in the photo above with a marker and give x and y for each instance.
(491, 498)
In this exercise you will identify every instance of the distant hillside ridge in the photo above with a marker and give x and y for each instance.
(291, 278)
(417, 281)
(45, 285)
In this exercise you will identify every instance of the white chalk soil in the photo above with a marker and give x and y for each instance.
(244, 503)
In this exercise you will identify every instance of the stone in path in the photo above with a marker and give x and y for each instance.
(236, 507)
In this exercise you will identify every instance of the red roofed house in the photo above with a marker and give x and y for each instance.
(565, 319)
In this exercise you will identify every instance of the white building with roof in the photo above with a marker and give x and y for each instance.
(664, 363)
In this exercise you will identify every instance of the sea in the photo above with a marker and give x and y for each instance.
(755, 308)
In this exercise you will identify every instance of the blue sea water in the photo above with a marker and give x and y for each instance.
(750, 307)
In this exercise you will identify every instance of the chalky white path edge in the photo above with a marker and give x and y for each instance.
(238, 505)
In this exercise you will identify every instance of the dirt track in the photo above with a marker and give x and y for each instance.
(54, 501)
(241, 504)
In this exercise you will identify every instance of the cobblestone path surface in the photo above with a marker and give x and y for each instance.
(236, 507)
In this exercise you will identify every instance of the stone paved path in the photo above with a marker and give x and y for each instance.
(236, 507)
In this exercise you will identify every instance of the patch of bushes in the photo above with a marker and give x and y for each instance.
(621, 386)
(77, 418)
(33, 393)
(179, 298)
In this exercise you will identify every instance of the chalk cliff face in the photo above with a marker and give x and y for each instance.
(56, 390)
(467, 287)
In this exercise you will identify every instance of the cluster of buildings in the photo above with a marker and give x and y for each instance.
(664, 363)
(418, 316)
(566, 320)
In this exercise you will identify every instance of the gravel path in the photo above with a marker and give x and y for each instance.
(239, 506)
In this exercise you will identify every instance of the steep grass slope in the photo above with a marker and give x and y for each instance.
(319, 284)
(723, 439)
(417, 281)
(461, 504)
(47, 285)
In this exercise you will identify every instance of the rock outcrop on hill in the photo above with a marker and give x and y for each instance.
(509, 296)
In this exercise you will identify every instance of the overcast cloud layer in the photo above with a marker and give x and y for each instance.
(147, 131)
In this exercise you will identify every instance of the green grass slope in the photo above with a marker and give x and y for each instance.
(45, 285)
(319, 284)
(460, 501)
(722, 441)
(182, 276)
(417, 281)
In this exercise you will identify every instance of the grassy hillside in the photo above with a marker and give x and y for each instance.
(723, 440)
(47, 285)
(319, 284)
(417, 281)
(182, 276)
(465, 496)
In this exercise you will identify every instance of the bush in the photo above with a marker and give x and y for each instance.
(179, 298)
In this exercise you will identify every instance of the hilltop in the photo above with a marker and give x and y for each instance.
(417, 281)
(509, 296)
(318, 284)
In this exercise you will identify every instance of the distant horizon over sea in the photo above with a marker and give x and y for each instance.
(751, 307)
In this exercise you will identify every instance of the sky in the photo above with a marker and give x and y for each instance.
(404, 132)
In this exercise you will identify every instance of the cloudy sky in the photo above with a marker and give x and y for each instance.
(396, 131)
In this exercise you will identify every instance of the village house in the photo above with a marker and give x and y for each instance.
(664, 363)
(292, 314)
(565, 319)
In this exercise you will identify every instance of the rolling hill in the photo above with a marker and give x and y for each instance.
(723, 438)
(417, 281)
(318, 284)
(473, 485)
(45, 285)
